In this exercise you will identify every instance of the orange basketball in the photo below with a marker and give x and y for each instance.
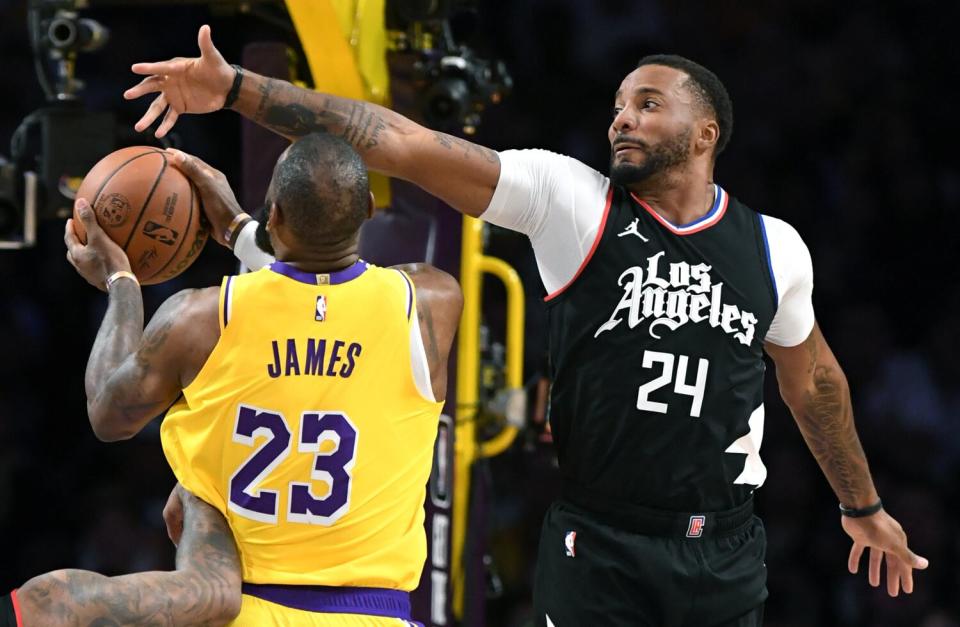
(148, 207)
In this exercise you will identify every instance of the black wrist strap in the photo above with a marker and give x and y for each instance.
(234, 92)
(853, 512)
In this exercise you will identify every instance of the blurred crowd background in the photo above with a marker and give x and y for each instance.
(844, 126)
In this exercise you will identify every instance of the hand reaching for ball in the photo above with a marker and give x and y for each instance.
(195, 85)
(98, 257)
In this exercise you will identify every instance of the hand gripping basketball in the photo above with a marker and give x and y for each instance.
(216, 197)
(99, 256)
(194, 85)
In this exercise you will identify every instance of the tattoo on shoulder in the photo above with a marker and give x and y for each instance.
(469, 148)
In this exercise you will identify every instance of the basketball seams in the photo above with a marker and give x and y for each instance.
(186, 231)
(106, 180)
(146, 202)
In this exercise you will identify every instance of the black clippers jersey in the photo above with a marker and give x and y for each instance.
(657, 358)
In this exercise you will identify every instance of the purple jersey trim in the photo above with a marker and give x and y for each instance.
(409, 292)
(333, 278)
(226, 301)
(335, 599)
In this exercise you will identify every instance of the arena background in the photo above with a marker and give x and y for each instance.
(845, 126)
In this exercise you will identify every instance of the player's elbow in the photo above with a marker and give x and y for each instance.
(824, 380)
(226, 601)
(108, 427)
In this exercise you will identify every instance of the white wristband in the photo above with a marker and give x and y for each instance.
(121, 274)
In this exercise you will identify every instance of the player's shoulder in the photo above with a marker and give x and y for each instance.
(428, 279)
(781, 233)
(193, 301)
(562, 165)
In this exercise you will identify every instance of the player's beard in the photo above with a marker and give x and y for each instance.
(261, 237)
(660, 157)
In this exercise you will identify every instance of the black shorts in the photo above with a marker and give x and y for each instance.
(594, 574)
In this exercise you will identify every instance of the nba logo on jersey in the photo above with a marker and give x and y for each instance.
(321, 314)
(570, 541)
(695, 530)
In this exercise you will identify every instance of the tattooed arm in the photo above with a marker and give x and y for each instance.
(205, 588)
(439, 303)
(815, 389)
(459, 172)
(133, 374)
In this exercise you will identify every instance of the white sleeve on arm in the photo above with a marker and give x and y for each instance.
(556, 201)
(793, 277)
(246, 249)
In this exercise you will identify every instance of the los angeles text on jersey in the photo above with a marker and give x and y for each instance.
(317, 357)
(685, 293)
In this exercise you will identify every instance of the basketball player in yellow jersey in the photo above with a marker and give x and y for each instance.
(303, 398)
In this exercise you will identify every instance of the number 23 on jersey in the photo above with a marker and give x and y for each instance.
(331, 466)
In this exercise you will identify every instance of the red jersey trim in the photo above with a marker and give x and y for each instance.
(16, 607)
(593, 249)
(703, 223)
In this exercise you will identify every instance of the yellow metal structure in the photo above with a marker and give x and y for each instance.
(345, 42)
(473, 265)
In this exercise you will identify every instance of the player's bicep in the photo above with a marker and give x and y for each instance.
(459, 172)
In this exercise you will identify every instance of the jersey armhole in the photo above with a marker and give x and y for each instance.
(226, 301)
(593, 249)
(766, 251)
(419, 365)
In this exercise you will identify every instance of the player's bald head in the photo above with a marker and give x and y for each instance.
(321, 186)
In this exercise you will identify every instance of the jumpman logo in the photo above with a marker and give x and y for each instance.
(632, 230)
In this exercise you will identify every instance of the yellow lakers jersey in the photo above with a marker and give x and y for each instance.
(306, 428)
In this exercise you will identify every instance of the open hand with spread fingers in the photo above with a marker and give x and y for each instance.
(194, 85)
(887, 542)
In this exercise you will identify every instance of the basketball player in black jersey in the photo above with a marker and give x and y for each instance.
(663, 294)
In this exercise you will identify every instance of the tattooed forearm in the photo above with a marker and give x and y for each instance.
(469, 149)
(129, 378)
(118, 336)
(826, 421)
(204, 590)
(265, 89)
(294, 112)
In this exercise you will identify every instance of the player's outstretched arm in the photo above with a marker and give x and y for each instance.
(204, 590)
(134, 374)
(815, 389)
(439, 304)
(459, 172)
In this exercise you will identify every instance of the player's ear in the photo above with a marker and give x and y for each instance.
(372, 209)
(709, 136)
(274, 217)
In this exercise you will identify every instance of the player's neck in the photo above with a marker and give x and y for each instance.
(678, 198)
(320, 262)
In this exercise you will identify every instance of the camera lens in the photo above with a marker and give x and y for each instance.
(62, 32)
(446, 102)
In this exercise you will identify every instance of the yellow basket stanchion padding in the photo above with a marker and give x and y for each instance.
(345, 43)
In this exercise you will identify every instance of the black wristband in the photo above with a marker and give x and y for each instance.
(853, 512)
(234, 92)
